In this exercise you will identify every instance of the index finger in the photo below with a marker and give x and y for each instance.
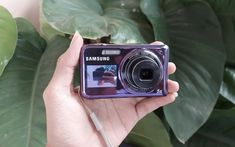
(171, 65)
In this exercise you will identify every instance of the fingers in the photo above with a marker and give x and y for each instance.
(150, 104)
(67, 62)
(171, 68)
(173, 86)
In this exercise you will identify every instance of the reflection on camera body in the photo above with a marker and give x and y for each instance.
(112, 71)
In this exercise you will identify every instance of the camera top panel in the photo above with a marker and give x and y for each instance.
(100, 54)
(129, 46)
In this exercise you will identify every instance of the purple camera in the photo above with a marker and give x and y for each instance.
(116, 71)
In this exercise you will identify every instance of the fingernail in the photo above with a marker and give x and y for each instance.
(75, 37)
(177, 83)
(76, 34)
(176, 94)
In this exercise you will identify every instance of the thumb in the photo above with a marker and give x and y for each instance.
(66, 63)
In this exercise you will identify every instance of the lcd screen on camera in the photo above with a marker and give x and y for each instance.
(101, 76)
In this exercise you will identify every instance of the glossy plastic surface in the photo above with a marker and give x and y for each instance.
(101, 70)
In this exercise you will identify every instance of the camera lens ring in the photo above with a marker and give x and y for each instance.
(129, 69)
(149, 84)
(134, 57)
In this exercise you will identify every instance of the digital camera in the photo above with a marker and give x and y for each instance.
(120, 71)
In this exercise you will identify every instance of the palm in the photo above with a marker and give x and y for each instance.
(118, 116)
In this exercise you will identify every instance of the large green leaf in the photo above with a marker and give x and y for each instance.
(195, 38)
(149, 132)
(46, 30)
(22, 117)
(218, 131)
(223, 103)
(17, 91)
(225, 10)
(228, 30)
(222, 7)
(8, 38)
(228, 86)
(228, 27)
(94, 19)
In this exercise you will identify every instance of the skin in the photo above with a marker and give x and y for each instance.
(68, 124)
(107, 78)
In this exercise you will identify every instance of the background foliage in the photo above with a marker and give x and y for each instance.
(8, 37)
(201, 36)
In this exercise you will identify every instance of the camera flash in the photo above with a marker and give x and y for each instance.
(111, 52)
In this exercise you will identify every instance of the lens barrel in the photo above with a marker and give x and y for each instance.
(141, 71)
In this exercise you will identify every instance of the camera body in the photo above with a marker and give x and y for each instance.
(121, 71)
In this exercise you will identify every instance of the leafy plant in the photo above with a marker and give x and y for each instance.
(149, 132)
(188, 27)
(218, 131)
(8, 37)
(201, 36)
(21, 107)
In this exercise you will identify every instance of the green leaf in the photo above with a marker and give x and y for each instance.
(22, 115)
(156, 18)
(94, 19)
(149, 132)
(17, 90)
(225, 10)
(27, 31)
(8, 38)
(223, 103)
(227, 87)
(197, 49)
(228, 30)
(218, 131)
(46, 30)
(223, 7)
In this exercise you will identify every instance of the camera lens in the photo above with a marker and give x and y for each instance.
(141, 71)
(146, 74)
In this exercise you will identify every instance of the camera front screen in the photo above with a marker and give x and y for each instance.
(101, 76)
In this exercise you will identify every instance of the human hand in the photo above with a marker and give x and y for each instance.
(68, 124)
(108, 77)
